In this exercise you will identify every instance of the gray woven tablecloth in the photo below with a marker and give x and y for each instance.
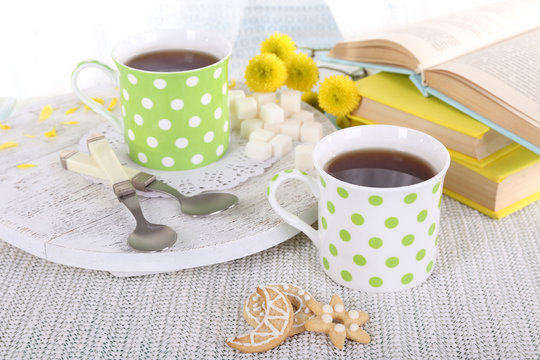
(481, 302)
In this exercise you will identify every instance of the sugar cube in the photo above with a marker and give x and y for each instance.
(302, 157)
(244, 108)
(234, 121)
(235, 94)
(258, 150)
(304, 116)
(281, 145)
(275, 127)
(248, 126)
(291, 127)
(311, 132)
(261, 135)
(264, 98)
(290, 101)
(272, 113)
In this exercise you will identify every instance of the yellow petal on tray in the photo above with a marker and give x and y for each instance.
(25, 166)
(232, 84)
(29, 136)
(96, 99)
(72, 110)
(46, 112)
(112, 104)
(5, 127)
(70, 122)
(8, 144)
(51, 133)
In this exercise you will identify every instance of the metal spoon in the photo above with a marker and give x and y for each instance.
(146, 236)
(207, 203)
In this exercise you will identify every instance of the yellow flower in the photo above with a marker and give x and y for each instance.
(232, 84)
(70, 122)
(311, 98)
(338, 95)
(5, 127)
(302, 72)
(280, 45)
(265, 73)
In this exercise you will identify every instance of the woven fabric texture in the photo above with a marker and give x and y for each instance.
(481, 302)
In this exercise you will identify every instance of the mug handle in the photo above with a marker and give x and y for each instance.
(289, 218)
(94, 105)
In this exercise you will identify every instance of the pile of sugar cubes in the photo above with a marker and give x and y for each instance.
(272, 128)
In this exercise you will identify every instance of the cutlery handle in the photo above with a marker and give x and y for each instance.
(82, 163)
(103, 154)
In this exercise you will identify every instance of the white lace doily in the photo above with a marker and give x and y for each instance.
(231, 170)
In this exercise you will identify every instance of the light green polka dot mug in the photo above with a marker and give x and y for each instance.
(171, 120)
(373, 239)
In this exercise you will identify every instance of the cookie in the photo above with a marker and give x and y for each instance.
(254, 307)
(274, 327)
(339, 324)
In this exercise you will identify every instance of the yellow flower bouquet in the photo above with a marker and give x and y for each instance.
(279, 64)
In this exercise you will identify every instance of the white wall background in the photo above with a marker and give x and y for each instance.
(42, 41)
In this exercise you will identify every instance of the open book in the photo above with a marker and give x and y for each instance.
(485, 62)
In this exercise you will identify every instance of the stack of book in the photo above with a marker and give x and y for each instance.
(489, 172)
(482, 62)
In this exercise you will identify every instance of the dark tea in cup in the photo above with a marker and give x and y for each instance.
(381, 168)
(171, 60)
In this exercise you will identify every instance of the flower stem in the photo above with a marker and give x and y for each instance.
(312, 50)
(355, 75)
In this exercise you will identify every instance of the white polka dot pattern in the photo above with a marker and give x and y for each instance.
(206, 98)
(152, 142)
(192, 81)
(181, 143)
(194, 121)
(177, 104)
(160, 84)
(142, 157)
(164, 124)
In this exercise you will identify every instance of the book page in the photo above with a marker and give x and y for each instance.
(509, 70)
(443, 38)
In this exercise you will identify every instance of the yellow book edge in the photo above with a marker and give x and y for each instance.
(464, 159)
(494, 214)
(494, 171)
(377, 87)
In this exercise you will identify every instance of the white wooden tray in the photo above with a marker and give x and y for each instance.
(62, 217)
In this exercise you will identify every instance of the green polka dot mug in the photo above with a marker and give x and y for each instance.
(373, 239)
(170, 120)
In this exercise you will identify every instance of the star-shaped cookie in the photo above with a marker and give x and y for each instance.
(339, 324)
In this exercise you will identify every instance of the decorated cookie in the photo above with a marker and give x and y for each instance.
(339, 324)
(255, 309)
(274, 327)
